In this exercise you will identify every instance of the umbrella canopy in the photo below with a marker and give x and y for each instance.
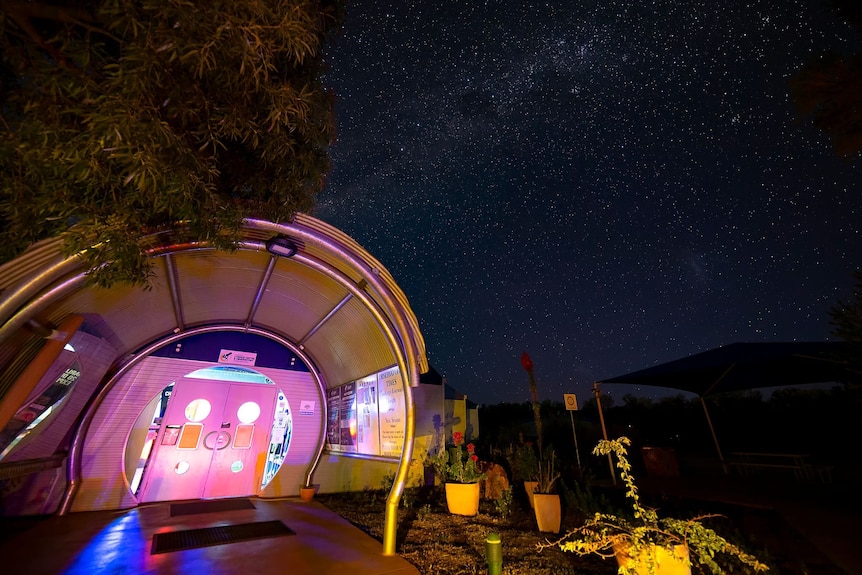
(740, 366)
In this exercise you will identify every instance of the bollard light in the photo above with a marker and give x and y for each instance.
(494, 554)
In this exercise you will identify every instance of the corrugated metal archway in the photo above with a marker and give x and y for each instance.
(331, 301)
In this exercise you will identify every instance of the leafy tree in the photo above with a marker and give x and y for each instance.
(847, 317)
(122, 118)
(846, 320)
(829, 88)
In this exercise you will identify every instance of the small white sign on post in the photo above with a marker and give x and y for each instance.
(572, 405)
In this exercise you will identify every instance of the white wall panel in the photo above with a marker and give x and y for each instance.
(104, 484)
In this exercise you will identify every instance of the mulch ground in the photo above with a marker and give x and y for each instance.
(439, 543)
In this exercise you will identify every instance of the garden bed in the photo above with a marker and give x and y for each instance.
(439, 543)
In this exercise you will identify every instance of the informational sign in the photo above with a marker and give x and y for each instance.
(367, 419)
(571, 401)
(367, 416)
(333, 425)
(348, 417)
(68, 377)
(235, 357)
(392, 412)
(306, 407)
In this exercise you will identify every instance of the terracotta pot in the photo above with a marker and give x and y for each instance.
(547, 509)
(667, 561)
(306, 493)
(462, 498)
(530, 488)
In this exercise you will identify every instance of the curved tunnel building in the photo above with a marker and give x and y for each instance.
(293, 360)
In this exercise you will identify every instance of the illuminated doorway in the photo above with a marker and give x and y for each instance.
(222, 431)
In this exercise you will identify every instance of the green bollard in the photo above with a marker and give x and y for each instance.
(494, 554)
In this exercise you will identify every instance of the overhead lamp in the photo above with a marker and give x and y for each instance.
(281, 246)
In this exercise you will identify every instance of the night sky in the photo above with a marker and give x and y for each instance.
(604, 185)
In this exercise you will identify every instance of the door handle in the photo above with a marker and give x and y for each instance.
(218, 433)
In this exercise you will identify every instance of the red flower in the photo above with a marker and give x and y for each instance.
(471, 448)
(528, 443)
(526, 362)
(474, 458)
(458, 438)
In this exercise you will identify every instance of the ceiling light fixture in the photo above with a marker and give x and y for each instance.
(281, 246)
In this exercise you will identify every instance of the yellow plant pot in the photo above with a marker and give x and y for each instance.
(462, 498)
(667, 561)
(547, 509)
(530, 488)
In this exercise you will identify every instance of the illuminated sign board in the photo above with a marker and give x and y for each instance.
(367, 416)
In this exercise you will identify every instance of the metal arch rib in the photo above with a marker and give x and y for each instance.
(34, 306)
(402, 338)
(261, 288)
(171, 272)
(402, 346)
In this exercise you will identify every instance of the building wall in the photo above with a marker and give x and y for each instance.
(104, 483)
(39, 493)
(117, 433)
(95, 356)
(339, 472)
(456, 418)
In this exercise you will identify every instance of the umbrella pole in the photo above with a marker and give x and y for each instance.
(604, 430)
(714, 438)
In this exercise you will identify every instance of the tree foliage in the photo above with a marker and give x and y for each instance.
(829, 89)
(847, 316)
(846, 320)
(121, 118)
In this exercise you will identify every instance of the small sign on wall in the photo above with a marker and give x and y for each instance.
(306, 407)
(235, 357)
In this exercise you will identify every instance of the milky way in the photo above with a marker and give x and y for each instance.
(605, 186)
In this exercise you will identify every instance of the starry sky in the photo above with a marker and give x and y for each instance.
(605, 184)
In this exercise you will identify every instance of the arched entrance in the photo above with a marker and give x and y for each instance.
(328, 300)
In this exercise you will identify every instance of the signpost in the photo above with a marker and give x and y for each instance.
(572, 405)
(598, 393)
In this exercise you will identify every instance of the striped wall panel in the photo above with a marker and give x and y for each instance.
(95, 356)
(104, 485)
(298, 386)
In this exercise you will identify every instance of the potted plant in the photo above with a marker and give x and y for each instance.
(306, 492)
(524, 465)
(546, 503)
(457, 469)
(527, 364)
(647, 544)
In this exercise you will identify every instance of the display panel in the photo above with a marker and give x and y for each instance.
(392, 413)
(366, 416)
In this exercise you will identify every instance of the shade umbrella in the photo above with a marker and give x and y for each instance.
(741, 366)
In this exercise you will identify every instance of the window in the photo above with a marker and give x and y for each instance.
(367, 416)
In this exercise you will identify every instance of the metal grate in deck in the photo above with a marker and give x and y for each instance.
(209, 536)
